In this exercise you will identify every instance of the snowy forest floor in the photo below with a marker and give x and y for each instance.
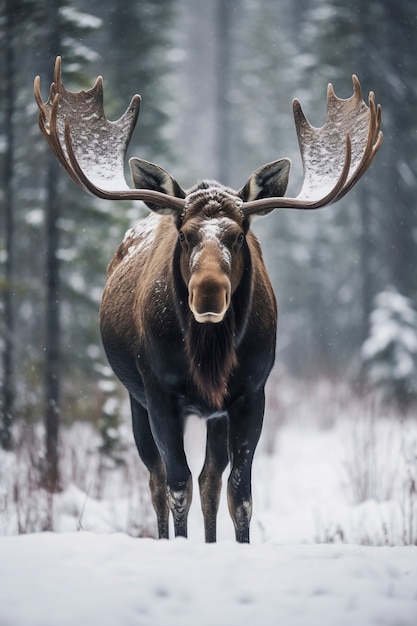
(334, 531)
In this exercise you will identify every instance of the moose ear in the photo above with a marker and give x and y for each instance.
(268, 181)
(146, 175)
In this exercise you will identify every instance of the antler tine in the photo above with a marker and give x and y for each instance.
(373, 144)
(44, 116)
(57, 72)
(49, 118)
(327, 178)
(91, 148)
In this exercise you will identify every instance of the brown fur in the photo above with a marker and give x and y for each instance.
(211, 357)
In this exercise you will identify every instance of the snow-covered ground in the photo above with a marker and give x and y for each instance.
(115, 580)
(335, 512)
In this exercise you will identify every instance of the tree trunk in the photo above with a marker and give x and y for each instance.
(366, 254)
(223, 129)
(52, 347)
(9, 326)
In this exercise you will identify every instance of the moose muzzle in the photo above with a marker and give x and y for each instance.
(209, 297)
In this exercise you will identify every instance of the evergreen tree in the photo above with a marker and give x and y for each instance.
(390, 352)
(63, 24)
(352, 38)
(135, 57)
(37, 320)
(14, 19)
(8, 37)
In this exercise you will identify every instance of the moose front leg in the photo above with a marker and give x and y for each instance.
(244, 431)
(178, 477)
(179, 501)
(167, 429)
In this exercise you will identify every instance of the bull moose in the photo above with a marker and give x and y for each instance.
(188, 316)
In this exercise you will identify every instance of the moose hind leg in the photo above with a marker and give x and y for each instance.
(157, 484)
(150, 456)
(210, 479)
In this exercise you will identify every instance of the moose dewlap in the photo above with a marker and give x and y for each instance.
(188, 317)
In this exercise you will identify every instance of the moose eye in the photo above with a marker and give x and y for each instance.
(240, 239)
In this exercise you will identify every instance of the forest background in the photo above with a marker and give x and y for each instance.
(217, 79)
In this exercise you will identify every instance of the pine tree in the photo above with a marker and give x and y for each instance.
(15, 15)
(64, 22)
(135, 58)
(38, 321)
(7, 404)
(389, 354)
(352, 38)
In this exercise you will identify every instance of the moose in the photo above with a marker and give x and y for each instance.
(188, 317)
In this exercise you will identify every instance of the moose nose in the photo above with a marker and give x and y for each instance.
(209, 298)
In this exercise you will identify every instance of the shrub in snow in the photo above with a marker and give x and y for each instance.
(112, 447)
(390, 352)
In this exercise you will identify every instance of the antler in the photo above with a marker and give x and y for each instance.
(334, 156)
(91, 148)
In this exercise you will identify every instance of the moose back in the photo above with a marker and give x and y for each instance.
(188, 316)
